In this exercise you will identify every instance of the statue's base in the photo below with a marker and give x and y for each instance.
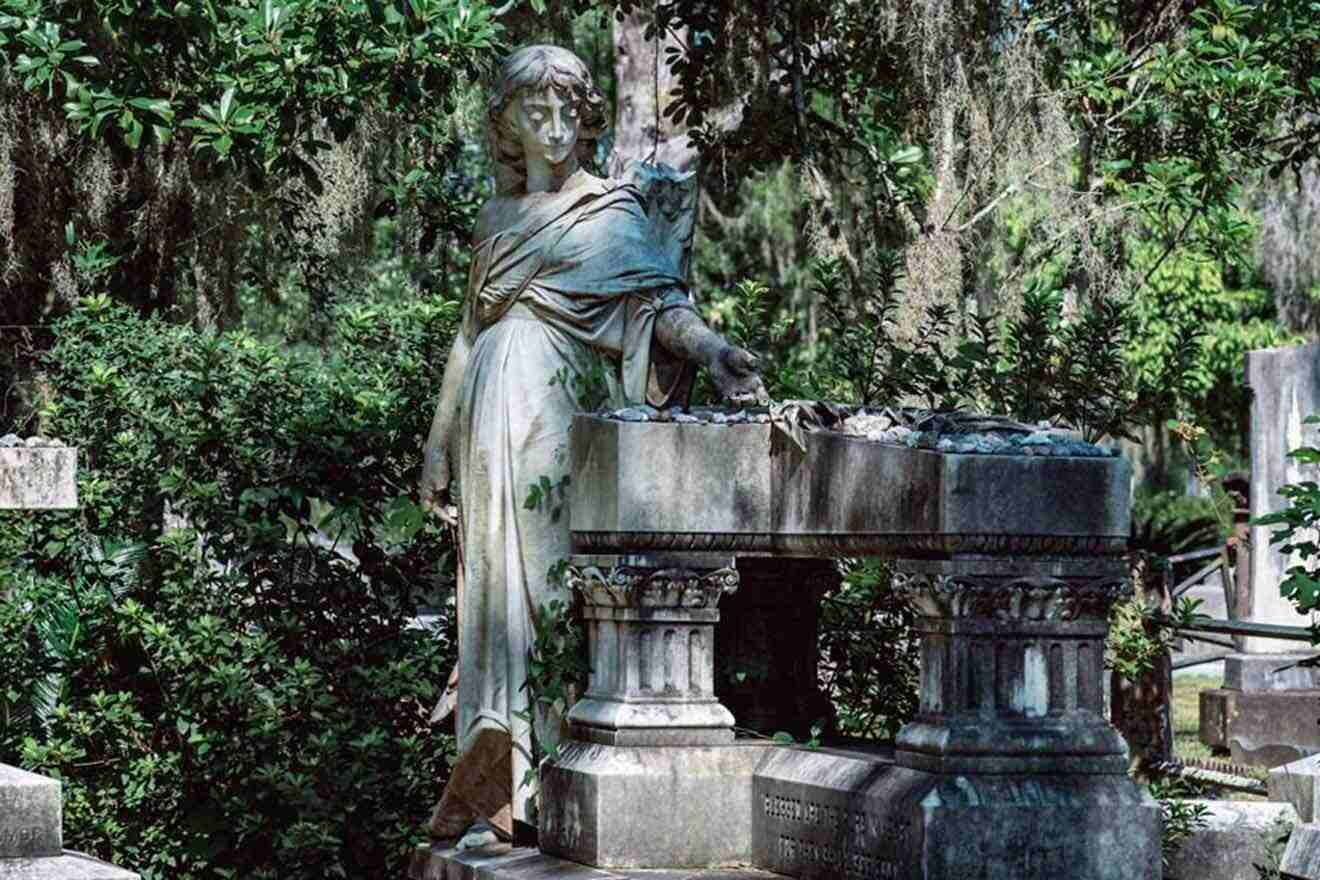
(506, 862)
(649, 806)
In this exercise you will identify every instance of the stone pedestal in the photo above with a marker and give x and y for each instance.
(1265, 714)
(651, 637)
(651, 775)
(650, 806)
(1011, 665)
(1013, 559)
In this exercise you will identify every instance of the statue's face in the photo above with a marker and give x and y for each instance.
(547, 124)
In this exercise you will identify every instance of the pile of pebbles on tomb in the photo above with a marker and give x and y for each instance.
(961, 433)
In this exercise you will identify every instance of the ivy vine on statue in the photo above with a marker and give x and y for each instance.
(567, 268)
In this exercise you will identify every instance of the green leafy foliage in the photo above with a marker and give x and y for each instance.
(1040, 365)
(868, 655)
(248, 82)
(1179, 818)
(219, 654)
(1168, 521)
(1136, 641)
(558, 667)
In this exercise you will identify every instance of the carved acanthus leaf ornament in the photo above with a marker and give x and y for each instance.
(1010, 597)
(625, 586)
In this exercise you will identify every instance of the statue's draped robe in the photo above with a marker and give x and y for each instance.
(580, 271)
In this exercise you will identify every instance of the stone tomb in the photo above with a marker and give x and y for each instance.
(31, 834)
(1012, 562)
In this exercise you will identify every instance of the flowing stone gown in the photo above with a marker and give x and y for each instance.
(579, 271)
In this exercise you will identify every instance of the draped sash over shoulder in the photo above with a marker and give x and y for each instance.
(584, 259)
(578, 271)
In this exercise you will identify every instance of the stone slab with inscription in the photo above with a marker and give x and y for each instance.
(824, 814)
(38, 477)
(29, 815)
(69, 866)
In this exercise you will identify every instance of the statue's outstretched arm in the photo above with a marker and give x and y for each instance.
(732, 369)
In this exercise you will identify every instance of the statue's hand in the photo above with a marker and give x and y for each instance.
(733, 370)
(435, 485)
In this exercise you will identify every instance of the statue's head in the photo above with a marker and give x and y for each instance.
(534, 75)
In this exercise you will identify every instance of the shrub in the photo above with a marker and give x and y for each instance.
(869, 652)
(217, 653)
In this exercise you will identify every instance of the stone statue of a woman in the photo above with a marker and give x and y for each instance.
(566, 268)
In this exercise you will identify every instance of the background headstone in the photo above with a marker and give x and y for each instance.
(37, 477)
(29, 816)
(1285, 388)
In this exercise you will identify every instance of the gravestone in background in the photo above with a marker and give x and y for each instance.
(1265, 713)
(1285, 388)
(39, 475)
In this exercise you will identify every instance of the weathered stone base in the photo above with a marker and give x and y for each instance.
(1235, 838)
(649, 806)
(1261, 728)
(68, 866)
(1297, 783)
(852, 816)
(505, 862)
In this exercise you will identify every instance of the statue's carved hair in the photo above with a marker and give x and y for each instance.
(538, 67)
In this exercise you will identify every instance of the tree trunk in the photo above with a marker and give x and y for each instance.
(1140, 708)
(643, 83)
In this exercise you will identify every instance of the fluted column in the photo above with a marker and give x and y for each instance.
(651, 637)
(1012, 659)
